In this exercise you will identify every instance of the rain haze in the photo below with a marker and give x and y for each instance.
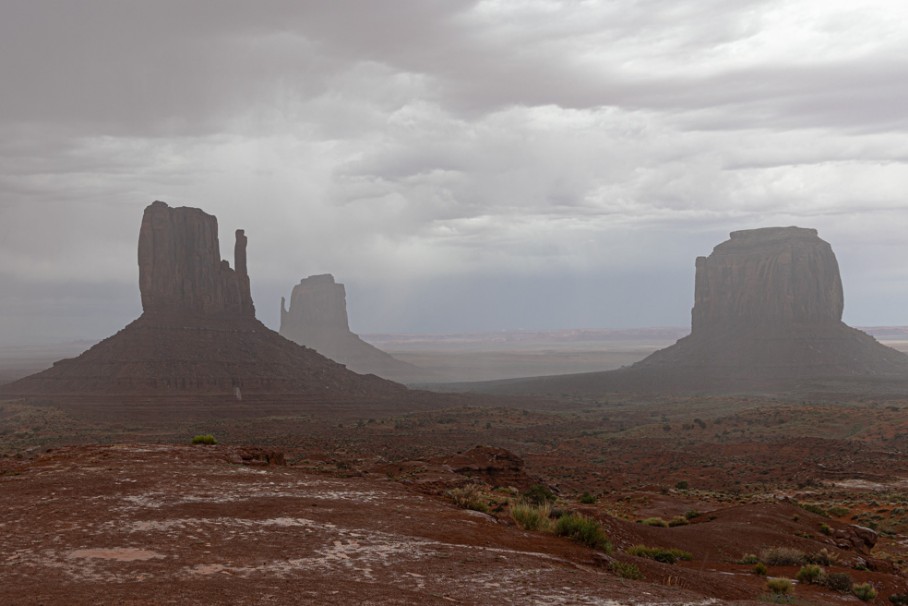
(460, 166)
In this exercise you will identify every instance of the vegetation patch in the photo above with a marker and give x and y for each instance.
(778, 586)
(864, 591)
(626, 570)
(839, 581)
(654, 522)
(782, 556)
(530, 516)
(666, 555)
(582, 529)
(811, 574)
(205, 438)
(470, 496)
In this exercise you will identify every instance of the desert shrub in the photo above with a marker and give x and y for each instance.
(838, 511)
(899, 599)
(582, 529)
(666, 555)
(824, 557)
(825, 529)
(678, 521)
(654, 522)
(864, 591)
(626, 570)
(782, 556)
(682, 485)
(810, 573)
(838, 581)
(587, 499)
(205, 438)
(693, 513)
(749, 559)
(538, 494)
(532, 517)
(778, 586)
(760, 569)
(812, 508)
(470, 497)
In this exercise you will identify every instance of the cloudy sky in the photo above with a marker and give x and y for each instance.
(459, 165)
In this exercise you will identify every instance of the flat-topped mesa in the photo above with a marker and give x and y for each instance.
(180, 266)
(770, 279)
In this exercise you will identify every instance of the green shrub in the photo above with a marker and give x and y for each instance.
(532, 517)
(779, 586)
(811, 573)
(654, 522)
(838, 512)
(838, 581)
(749, 559)
(823, 557)
(678, 521)
(470, 497)
(205, 438)
(899, 599)
(682, 485)
(812, 508)
(693, 513)
(825, 529)
(760, 569)
(582, 529)
(538, 494)
(864, 591)
(587, 499)
(626, 570)
(666, 555)
(782, 556)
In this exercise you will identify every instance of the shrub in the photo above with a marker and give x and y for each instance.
(864, 591)
(205, 438)
(749, 559)
(582, 529)
(823, 557)
(814, 509)
(539, 494)
(782, 556)
(825, 529)
(811, 573)
(899, 599)
(470, 497)
(626, 570)
(779, 586)
(682, 485)
(587, 499)
(532, 517)
(760, 569)
(666, 555)
(678, 521)
(838, 581)
(693, 513)
(838, 512)
(654, 522)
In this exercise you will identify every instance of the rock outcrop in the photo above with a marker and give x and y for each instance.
(198, 334)
(317, 318)
(180, 266)
(768, 303)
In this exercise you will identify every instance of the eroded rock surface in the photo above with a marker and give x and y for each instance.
(317, 318)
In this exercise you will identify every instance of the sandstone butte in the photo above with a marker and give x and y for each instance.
(198, 333)
(317, 318)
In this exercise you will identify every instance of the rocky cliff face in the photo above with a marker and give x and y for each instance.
(768, 279)
(180, 266)
(317, 318)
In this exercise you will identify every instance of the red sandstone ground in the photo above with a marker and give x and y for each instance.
(362, 508)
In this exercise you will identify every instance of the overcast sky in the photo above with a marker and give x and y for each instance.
(460, 166)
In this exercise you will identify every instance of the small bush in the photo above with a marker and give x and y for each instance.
(782, 556)
(532, 517)
(825, 529)
(654, 522)
(838, 581)
(626, 570)
(470, 497)
(539, 494)
(838, 512)
(693, 513)
(864, 591)
(814, 509)
(206, 438)
(899, 599)
(678, 521)
(587, 499)
(749, 559)
(582, 529)
(811, 573)
(682, 485)
(824, 557)
(760, 569)
(666, 555)
(779, 586)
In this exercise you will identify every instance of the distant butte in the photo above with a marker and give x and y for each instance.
(198, 333)
(768, 303)
(317, 318)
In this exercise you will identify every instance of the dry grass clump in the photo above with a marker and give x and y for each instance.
(778, 586)
(782, 556)
(470, 496)
(530, 516)
(666, 555)
(582, 529)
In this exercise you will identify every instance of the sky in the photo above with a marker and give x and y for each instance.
(462, 166)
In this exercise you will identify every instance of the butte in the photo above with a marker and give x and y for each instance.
(198, 334)
(767, 314)
(317, 318)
